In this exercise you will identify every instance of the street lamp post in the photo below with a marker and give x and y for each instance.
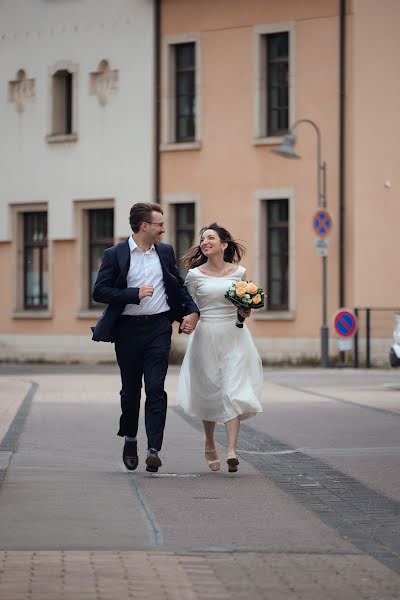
(286, 149)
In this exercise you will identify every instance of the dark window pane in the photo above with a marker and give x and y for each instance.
(45, 276)
(101, 224)
(186, 82)
(278, 254)
(185, 107)
(185, 129)
(185, 55)
(184, 233)
(277, 78)
(68, 103)
(101, 237)
(62, 102)
(32, 282)
(95, 261)
(35, 260)
(185, 215)
(278, 45)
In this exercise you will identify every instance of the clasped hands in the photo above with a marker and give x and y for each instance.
(189, 323)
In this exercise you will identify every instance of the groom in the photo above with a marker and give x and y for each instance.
(140, 282)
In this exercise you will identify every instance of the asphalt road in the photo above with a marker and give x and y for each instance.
(317, 491)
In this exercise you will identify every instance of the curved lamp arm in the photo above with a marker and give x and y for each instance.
(321, 167)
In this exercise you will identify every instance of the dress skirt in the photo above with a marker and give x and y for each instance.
(221, 375)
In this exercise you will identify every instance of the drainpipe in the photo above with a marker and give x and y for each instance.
(157, 97)
(342, 149)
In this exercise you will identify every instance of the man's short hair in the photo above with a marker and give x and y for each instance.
(140, 212)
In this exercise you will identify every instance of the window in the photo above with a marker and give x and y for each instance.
(278, 254)
(101, 236)
(185, 92)
(180, 93)
(35, 260)
(277, 83)
(62, 102)
(274, 81)
(184, 231)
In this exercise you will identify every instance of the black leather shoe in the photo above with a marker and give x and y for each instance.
(129, 455)
(153, 462)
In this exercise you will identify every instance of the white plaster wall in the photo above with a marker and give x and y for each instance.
(113, 157)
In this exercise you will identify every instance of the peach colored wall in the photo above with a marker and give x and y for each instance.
(64, 286)
(228, 169)
(374, 128)
(180, 16)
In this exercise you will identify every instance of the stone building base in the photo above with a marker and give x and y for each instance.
(81, 349)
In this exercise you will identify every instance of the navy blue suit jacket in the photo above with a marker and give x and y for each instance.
(111, 288)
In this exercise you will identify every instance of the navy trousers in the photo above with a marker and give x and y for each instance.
(142, 348)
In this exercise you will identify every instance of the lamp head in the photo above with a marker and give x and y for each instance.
(286, 149)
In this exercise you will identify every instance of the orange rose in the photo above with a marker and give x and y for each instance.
(241, 291)
(257, 299)
(251, 288)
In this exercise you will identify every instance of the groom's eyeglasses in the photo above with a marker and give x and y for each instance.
(154, 223)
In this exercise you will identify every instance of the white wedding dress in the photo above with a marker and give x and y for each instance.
(221, 374)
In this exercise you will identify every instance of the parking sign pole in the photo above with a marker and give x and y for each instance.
(324, 326)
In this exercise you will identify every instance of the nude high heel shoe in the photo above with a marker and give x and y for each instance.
(215, 464)
(233, 461)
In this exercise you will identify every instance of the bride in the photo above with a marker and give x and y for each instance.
(221, 375)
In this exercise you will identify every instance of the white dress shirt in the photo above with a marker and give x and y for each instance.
(145, 267)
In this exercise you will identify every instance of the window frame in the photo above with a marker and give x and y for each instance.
(182, 229)
(277, 226)
(168, 99)
(84, 308)
(261, 198)
(169, 203)
(261, 136)
(270, 64)
(19, 311)
(98, 242)
(41, 245)
(71, 136)
(179, 71)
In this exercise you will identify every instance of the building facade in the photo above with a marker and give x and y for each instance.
(185, 102)
(256, 69)
(77, 149)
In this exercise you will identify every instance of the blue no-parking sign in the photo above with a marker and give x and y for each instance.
(345, 323)
(322, 223)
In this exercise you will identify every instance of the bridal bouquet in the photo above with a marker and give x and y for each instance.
(245, 295)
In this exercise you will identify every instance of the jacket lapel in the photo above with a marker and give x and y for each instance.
(124, 257)
(163, 267)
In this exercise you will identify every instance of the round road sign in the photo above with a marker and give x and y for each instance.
(322, 223)
(345, 323)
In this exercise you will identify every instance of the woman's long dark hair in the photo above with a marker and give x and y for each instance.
(234, 251)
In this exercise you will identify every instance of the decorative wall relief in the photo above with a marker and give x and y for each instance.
(104, 81)
(21, 89)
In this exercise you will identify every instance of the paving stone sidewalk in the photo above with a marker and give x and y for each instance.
(210, 576)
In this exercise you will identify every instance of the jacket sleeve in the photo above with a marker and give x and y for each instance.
(105, 289)
(186, 298)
